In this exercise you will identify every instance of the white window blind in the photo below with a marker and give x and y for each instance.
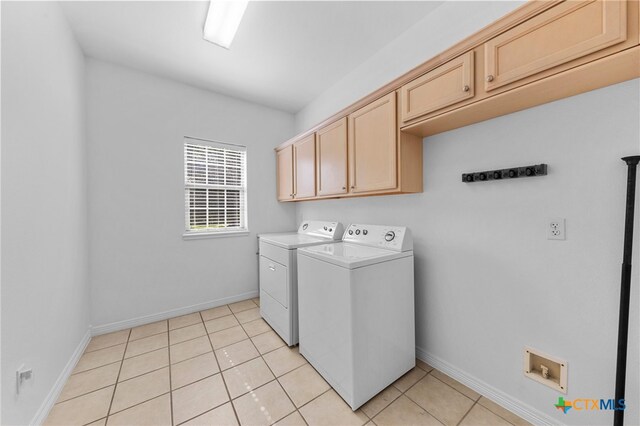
(215, 181)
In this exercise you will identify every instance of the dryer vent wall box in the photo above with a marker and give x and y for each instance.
(343, 289)
(279, 276)
(545, 369)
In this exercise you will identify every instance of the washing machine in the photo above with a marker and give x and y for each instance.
(279, 277)
(356, 309)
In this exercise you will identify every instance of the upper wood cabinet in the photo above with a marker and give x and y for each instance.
(561, 34)
(372, 146)
(284, 173)
(304, 167)
(447, 84)
(331, 158)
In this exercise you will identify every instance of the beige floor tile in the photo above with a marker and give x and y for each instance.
(140, 389)
(221, 416)
(440, 400)
(503, 412)
(236, 354)
(99, 358)
(380, 401)
(218, 312)
(183, 334)
(263, 406)
(423, 365)
(293, 419)
(256, 301)
(221, 323)
(185, 320)
(284, 359)
(242, 306)
(147, 344)
(469, 393)
(196, 398)
(246, 377)
(480, 416)
(303, 384)
(106, 340)
(329, 409)
(145, 363)
(82, 410)
(89, 381)
(151, 413)
(248, 315)
(148, 330)
(193, 369)
(100, 422)
(409, 379)
(227, 337)
(253, 328)
(266, 342)
(403, 411)
(189, 349)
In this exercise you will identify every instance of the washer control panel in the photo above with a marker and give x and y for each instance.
(396, 238)
(332, 230)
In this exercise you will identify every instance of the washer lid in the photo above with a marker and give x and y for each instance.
(351, 256)
(293, 240)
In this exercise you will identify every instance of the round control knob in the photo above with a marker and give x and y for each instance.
(350, 232)
(513, 173)
(357, 232)
(305, 226)
(483, 176)
(490, 78)
(325, 228)
(469, 178)
(365, 232)
(530, 171)
(497, 175)
(389, 236)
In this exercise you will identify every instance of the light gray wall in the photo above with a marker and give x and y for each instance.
(488, 282)
(433, 34)
(45, 294)
(140, 264)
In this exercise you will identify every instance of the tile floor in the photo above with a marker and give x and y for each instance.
(225, 366)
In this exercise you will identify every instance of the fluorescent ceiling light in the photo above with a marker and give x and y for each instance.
(223, 20)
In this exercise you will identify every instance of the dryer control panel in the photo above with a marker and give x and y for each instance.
(397, 238)
(319, 228)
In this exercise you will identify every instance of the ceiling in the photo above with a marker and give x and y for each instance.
(284, 55)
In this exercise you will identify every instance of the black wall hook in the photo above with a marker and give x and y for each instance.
(510, 173)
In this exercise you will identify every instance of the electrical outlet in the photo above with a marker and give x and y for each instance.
(556, 228)
(22, 374)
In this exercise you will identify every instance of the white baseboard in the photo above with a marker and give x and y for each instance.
(54, 393)
(147, 319)
(523, 410)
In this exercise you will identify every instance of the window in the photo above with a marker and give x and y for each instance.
(215, 187)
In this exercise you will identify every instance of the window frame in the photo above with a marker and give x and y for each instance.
(244, 212)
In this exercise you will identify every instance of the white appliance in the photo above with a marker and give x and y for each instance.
(356, 305)
(279, 277)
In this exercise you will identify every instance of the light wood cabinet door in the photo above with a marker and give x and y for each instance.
(304, 167)
(284, 173)
(331, 158)
(445, 85)
(372, 146)
(561, 34)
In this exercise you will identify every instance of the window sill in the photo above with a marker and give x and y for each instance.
(220, 234)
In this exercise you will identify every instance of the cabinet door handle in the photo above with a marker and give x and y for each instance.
(273, 268)
(353, 187)
(466, 88)
(490, 78)
(344, 187)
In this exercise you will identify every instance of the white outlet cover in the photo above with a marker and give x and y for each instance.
(556, 228)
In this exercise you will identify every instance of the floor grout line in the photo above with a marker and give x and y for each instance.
(224, 382)
(115, 388)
